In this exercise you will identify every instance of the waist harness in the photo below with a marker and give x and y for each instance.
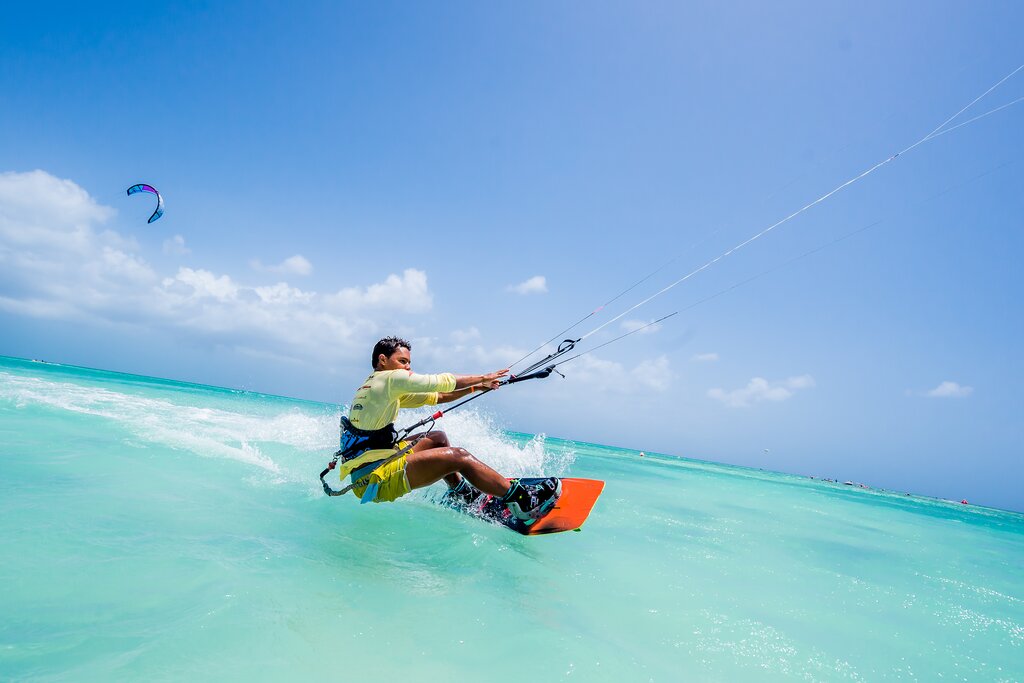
(356, 441)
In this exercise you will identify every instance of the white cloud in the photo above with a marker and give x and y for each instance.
(641, 326)
(57, 261)
(282, 293)
(408, 293)
(950, 390)
(39, 211)
(537, 284)
(466, 358)
(203, 284)
(704, 358)
(175, 246)
(465, 336)
(801, 382)
(601, 376)
(293, 265)
(654, 374)
(760, 389)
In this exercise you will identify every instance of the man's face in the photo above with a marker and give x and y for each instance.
(399, 360)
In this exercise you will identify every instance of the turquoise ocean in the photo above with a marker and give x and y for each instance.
(164, 531)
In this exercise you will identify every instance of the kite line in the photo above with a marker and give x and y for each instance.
(937, 132)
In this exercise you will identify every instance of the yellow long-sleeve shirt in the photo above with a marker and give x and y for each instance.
(378, 400)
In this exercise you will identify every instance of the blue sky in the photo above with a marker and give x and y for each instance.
(478, 176)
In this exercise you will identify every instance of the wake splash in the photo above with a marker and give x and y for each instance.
(479, 432)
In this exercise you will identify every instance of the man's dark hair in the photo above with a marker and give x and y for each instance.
(387, 346)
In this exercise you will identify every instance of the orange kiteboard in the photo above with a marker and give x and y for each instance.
(570, 511)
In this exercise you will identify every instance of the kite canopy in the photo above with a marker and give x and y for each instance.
(142, 187)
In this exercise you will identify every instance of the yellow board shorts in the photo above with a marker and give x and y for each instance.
(387, 483)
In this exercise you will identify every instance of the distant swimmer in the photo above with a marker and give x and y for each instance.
(964, 502)
(641, 454)
(384, 469)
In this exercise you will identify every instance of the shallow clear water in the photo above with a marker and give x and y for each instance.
(157, 530)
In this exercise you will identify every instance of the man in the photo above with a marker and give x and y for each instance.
(368, 439)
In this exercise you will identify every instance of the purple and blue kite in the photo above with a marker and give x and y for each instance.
(142, 187)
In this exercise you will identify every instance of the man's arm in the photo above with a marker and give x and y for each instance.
(449, 396)
(491, 380)
(414, 390)
(467, 384)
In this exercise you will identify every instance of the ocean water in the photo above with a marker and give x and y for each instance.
(155, 530)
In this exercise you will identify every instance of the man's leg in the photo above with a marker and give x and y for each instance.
(427, 440)
(436, 439)
(424, 467)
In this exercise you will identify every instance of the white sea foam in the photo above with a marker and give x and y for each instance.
(205, 431)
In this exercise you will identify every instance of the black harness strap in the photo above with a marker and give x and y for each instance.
(362, 440)
(355, 441)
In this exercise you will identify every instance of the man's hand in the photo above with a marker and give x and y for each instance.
(488, 382)
(493, 380)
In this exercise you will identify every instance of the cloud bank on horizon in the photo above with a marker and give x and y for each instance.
(58, 261)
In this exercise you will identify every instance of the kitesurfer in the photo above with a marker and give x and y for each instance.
(369, 440)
